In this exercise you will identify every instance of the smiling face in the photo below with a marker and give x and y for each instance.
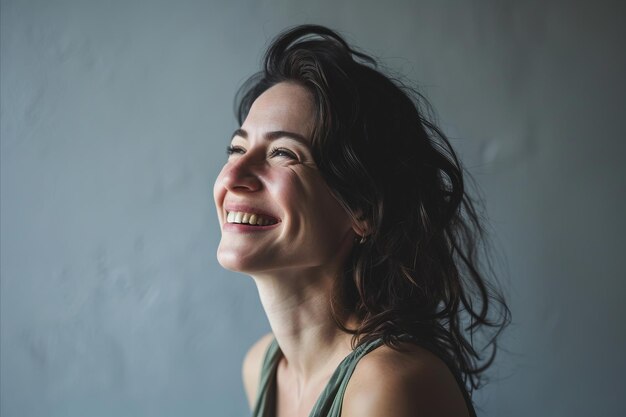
(275, 210)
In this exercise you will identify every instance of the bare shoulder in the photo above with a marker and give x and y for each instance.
(412, 383)
(252, 363)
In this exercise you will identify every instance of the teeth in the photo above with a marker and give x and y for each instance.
(249, 218)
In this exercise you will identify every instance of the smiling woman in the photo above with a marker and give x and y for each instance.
(348, 209)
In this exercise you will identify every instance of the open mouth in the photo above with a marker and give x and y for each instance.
(252, 219)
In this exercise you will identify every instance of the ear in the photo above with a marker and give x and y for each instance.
(360, 225)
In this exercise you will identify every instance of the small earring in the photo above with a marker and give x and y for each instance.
(363, 240)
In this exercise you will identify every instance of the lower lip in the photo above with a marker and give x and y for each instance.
(246, 228)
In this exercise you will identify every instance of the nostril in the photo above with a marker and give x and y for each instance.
(240, 179)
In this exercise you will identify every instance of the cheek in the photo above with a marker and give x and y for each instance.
(308, 200)
(318, 195)
(279, 182)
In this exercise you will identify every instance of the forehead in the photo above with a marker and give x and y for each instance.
(284, 106)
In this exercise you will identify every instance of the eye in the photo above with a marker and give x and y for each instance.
(235, 149)
(282, 153)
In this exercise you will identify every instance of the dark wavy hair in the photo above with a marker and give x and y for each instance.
(374, 142)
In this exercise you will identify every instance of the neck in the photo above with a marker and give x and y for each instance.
(298, 309)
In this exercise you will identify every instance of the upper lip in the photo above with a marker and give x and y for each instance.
(240, 207)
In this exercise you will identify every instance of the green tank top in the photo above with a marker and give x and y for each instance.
(331, 399)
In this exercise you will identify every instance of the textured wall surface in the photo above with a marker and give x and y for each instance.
(114, 120)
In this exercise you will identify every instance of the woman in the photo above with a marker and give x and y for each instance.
(348, 208)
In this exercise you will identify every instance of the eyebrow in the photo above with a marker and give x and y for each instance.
(273, 135)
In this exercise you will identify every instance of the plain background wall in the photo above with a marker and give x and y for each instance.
(114, 120)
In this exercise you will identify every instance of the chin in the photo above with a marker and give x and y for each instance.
(234, 261)
(229, 261)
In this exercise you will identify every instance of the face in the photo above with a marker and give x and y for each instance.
(275, 210)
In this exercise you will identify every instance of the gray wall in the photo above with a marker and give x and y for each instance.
(114, 119)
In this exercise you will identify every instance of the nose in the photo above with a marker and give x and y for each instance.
(240, 175)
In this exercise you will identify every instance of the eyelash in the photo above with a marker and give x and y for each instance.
(285, 153)
(234, 149)
(273, 152)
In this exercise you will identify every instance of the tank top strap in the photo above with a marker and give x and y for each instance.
(330, 401)
(266, 393)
